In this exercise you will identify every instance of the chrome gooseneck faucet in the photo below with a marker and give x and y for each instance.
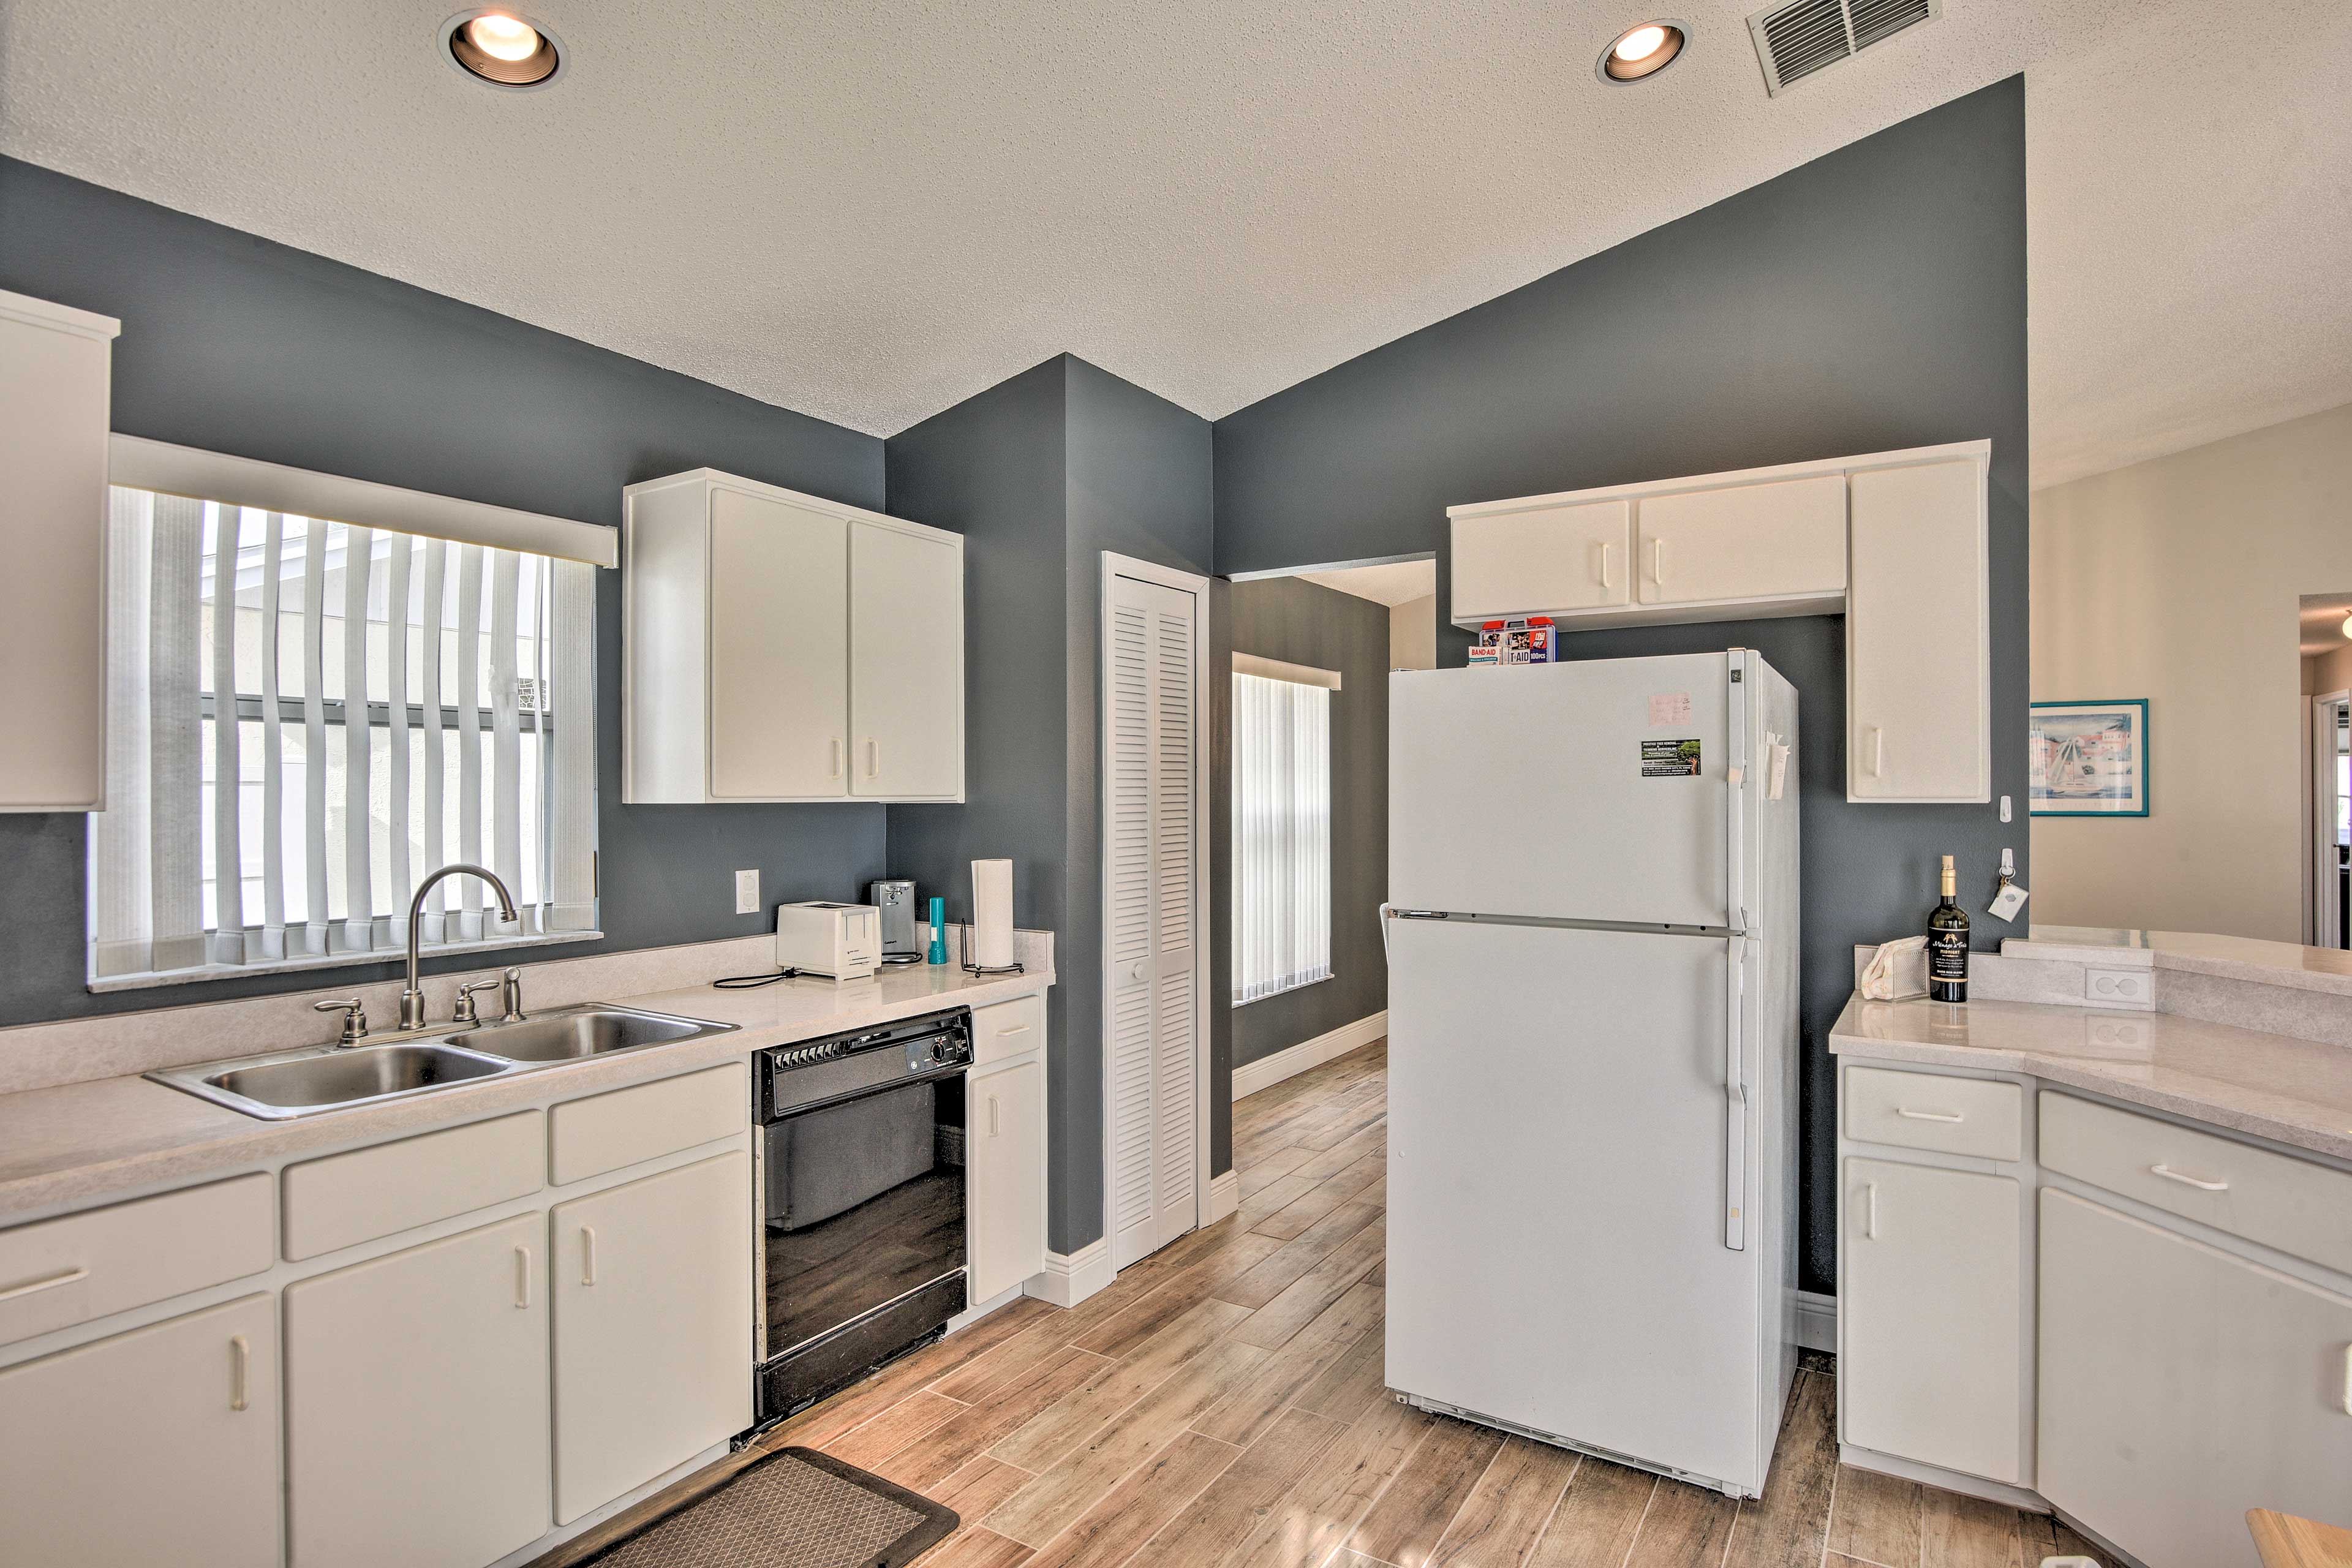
(412, 1000)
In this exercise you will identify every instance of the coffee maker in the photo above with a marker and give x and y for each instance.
(896, 899)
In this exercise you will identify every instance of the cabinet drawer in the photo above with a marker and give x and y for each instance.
(1007, 1030)
(2274, 1199)
(66, 1271)
(345, 1199)
(1932, 1110)
(606, 1131)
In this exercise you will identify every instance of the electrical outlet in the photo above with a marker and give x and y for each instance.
(746, 892)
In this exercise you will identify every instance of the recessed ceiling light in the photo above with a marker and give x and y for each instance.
(501, 47)
(1640, 51)
(2347, 625)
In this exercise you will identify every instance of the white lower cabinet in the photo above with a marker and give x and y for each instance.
(1006, 1166)
(1928, 1275)
(652, 1299)
(416, 1404)
(2181, 1386)
(155, 1445)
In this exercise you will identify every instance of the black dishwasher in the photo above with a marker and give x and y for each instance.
(861, 1199)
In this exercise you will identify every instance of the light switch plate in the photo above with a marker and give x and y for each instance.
(746, 892)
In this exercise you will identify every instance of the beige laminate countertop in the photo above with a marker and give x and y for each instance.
(2298, 1092)
(67, 1146)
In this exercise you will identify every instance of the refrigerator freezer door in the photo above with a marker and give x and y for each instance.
(1556, 1188)
(1549, 791)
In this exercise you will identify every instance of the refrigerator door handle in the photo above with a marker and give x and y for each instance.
(1735, 1099)
(1388, 913)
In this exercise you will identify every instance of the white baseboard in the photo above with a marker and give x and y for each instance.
(1069, 1278)
(1224, 1196)
(1816, 1322)
(1267, 1071)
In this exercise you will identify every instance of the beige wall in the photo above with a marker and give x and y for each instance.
(2179, 580)
(2330, 671)
(1413, 634)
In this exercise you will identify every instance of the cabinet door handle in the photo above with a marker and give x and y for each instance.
(523, 1276)
(873, 757)
(1604, 566)
(34, 1286)
(1877, 751)
(1928, 1115)
(1870, 1211)
(995, 1122)
(2346, 1390)
(2169, 1174)
(1658, 562)
(240, 1363)
(833, 771)
(587, 1255)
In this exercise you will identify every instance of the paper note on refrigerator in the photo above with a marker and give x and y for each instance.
(1670, 708)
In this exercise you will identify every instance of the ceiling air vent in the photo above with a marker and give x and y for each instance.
(1796, 40)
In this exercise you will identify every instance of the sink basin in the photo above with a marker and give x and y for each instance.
(308, 1083)
(325, 1078)
(568, 1033)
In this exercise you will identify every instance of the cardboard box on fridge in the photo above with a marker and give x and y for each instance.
(1529, 639)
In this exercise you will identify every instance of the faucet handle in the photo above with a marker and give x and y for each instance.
(465, 1012)
(355, 1024)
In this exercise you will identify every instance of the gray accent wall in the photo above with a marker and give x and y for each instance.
(1041, 474)
(1300, 622)
(1871, 300)
(236, 344)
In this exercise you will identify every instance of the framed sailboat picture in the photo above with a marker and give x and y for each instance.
(2088, 759)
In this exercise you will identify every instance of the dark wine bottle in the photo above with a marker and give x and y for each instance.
(1948, 944)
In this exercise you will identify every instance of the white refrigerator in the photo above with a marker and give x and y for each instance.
(1593, 992)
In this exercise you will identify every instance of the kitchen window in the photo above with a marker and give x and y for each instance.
(307, 716)
(1282, 827)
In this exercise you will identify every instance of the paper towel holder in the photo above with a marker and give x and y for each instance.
(992, 900)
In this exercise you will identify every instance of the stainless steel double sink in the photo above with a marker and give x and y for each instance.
(319, 1078)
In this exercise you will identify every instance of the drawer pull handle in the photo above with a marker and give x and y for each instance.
(34, 1286)
(523, 1276)
(1870, 1211)
(240, 1359)
(1906, 1110)
(1013, 1029)
(587, 1255)
(2169, 1174)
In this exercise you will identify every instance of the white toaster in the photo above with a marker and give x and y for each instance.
(842, 942)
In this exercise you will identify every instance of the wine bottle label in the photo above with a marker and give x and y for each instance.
(1947, 956)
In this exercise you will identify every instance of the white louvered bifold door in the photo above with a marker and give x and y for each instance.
(1153, 944)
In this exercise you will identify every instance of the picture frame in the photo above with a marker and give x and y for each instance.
(2088, 759)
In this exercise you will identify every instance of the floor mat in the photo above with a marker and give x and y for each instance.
(795, 1509)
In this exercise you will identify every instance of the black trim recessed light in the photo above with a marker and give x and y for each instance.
(503, 47)
(1642, 50)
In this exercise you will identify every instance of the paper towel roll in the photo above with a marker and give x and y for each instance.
(991, 914)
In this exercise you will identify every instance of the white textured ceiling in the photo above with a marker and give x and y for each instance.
(869, 212)
(1392, 583)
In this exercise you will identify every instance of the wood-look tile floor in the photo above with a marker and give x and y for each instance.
(1220, 1405)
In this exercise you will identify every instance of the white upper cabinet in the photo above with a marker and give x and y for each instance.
(1770, 542)
(778, 646)
(1543, 560)
(906, 663)
(1918, 663)
(56, 373)
(1896, 541)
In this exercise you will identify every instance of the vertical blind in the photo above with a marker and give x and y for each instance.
(308, 717)
(1282, 836)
